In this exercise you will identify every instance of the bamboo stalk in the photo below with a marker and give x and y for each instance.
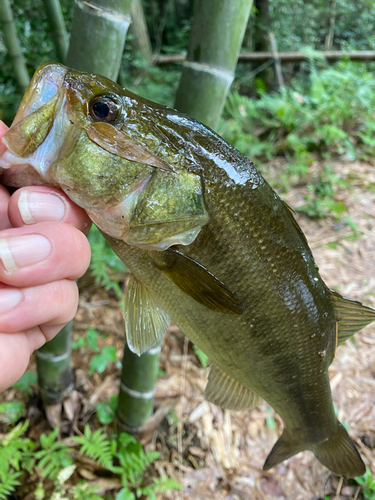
(13, 46)
(138, 372)
(208, 71)
(140, 32)
(136, 398)
(54, 366)
(331, 30)
(276, 61)
(354, 55)
(98, 36)
(57, 25)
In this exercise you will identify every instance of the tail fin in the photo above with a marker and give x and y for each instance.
(338, 453)
(284, 448)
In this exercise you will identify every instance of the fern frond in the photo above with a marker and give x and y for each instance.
(96, 446)
(15, 433)
(8, 483)
(54, 456)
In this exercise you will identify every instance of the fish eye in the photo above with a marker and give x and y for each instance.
(103, 108)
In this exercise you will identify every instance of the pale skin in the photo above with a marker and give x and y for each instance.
(43, 249)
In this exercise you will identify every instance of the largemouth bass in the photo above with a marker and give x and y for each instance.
(208, 243)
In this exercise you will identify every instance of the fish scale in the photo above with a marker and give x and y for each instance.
(209, 244)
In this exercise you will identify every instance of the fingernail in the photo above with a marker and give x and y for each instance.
(39, 207)
(9, 298)
(22, 251)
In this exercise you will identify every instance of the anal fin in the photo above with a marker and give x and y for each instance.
(225, 391)
(351, 316)
(145, 321)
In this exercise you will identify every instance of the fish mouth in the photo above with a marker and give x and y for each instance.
(45, 84)
(25, 160)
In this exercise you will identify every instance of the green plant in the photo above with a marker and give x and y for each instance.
(120, 455)
(203, 358)
(99, 362)
(106, 411)
(16, 454)
(11, 412)
(367, 481)
(53, 456)
(332, 114)
(26, 381)
(105, 265)
(321, 196)
(89, 339)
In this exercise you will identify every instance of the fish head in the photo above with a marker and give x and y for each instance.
(100, 144)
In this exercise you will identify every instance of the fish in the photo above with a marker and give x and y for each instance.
(209, 244)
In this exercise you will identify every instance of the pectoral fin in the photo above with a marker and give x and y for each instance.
(145, 321)
(351, 316)
(225, 391)
(197, 282)
(120, 144)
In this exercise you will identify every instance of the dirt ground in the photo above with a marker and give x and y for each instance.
(218, 454)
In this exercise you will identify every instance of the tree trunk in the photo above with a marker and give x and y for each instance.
(215, 41)
(13, 46)
(57, 25)
(139, 31)
(54, 366)
(98, 36)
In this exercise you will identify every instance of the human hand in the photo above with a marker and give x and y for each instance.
(42, 251)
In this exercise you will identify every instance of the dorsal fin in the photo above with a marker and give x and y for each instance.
(225, 391)
(291, 212)
(145, 321)
(351, 316)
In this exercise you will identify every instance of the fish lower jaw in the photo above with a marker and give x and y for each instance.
(19, 172)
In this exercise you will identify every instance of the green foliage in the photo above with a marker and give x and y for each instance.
(89, 339)
(11, 412)
(26, 381)
(53, 456)
(156, 84)
(300, 23)
(16, 454)
(8, 483)
(120, 455)
(331, 116)
(106, 411)
(99, 362)
(203, 358)
(368, 483)
(96, 446)
(321, 197)
(270, 421)
(105, 264)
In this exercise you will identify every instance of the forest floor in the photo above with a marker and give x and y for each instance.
(218, 454)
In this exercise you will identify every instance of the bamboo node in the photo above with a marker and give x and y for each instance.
(137, 394)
